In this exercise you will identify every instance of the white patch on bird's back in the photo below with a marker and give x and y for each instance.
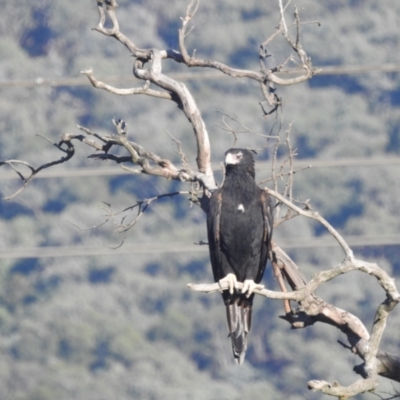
(241, 208)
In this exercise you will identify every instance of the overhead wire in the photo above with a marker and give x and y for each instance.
(261, 166)
(178, 247)
(188, 76)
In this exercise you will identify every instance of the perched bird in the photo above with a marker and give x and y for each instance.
(239, 226)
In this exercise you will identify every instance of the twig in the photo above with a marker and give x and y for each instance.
(141, 206)
(243, 128)
(87, 229)
(70, 151)
(284, 174)
(292, 154)
(179, 150)
(314, 215)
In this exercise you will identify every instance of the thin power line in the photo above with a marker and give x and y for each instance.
(263, 165)
(188, 76)
(359, 69)
(165, 248)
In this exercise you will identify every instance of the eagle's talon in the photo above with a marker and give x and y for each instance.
(232, 282)
(249, 286)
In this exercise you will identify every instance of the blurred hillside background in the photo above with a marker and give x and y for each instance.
(81, 321)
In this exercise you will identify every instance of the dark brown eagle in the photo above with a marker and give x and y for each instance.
(239, 225)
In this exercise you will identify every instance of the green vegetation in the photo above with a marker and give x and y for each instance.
(125, 326)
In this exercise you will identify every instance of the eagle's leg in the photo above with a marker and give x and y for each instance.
(249, 285)
(232, 282)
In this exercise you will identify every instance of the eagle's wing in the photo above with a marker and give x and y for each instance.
(213, 232)
(268, 213)
(268, 216)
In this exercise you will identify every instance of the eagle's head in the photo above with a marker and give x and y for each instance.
(239, 159)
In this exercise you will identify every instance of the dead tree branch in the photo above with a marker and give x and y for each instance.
(149, 162)
(106, 9)
(283, 174)
(315, 215)
(141, 207)
(145, 89)
(69, 151)
(192, 61)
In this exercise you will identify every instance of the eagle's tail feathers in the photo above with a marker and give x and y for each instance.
(239, 323)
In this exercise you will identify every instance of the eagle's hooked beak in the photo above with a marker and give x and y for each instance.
(233, 158)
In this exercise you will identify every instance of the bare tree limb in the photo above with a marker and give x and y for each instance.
(336, 390)
(192, 61)
(186, 101)
(106, 9)
(141, 207)
(126, 92)
(149, 163)
(314, 215)
(319, 278)
(69, 151)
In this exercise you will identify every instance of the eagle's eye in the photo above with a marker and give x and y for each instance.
(239, 155)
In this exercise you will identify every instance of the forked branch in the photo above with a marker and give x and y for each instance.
(68, 149)
(266, 75)
(106, 10)
(147, 161)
